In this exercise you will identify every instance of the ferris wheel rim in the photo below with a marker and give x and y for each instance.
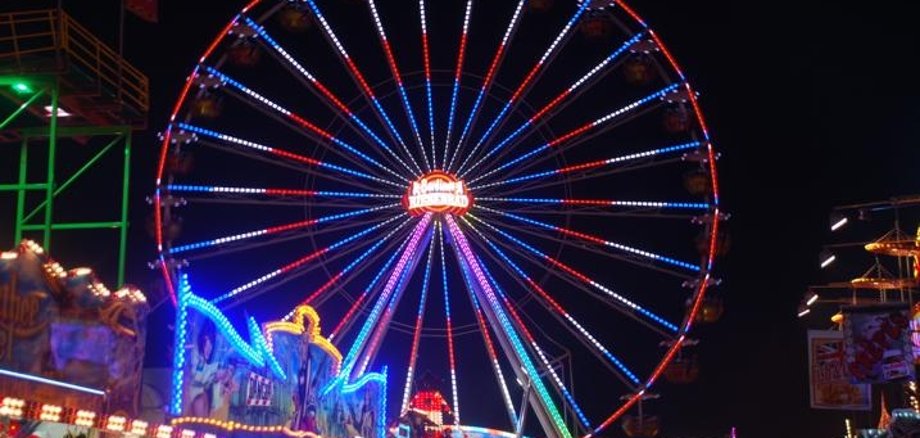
(712, 226)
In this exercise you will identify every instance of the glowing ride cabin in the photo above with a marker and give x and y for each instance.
(437, 192)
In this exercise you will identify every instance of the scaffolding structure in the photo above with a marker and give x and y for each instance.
(64, 87)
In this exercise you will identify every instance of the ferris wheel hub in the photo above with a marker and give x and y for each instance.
(437, 192)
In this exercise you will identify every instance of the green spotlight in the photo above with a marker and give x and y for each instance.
(21, 88)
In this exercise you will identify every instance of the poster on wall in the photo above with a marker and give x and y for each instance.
(877, 343)
(829, 381)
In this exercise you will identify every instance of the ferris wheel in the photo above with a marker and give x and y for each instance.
(513, 193)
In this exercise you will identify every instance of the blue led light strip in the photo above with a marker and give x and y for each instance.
(613, 359)
(369, 287)
(394, 69)
(594, 164)
(281, 153)
(461, 54)
(52, 382)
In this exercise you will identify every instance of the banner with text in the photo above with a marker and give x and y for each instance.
(830, 385)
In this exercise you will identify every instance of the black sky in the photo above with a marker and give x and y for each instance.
(811, 104)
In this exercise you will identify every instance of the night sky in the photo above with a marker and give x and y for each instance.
(811, 105)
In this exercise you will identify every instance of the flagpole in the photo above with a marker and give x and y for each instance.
(121, 27)
(121, 42)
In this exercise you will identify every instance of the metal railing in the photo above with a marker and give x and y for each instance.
(52, 41)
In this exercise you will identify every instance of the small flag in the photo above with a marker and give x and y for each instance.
(144, 9)
(884, 417)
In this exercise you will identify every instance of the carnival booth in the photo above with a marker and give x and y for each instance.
(71, 350)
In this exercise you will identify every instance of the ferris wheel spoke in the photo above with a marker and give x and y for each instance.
(537, 184)
(584, 285)
(532, 344)
(296, 196)
(615, 364)
(515, 349)
(597, 240)
(575, 133)
(461, 54)
(355, 267)
(489, 77)
(579, 174)
(628, 307)
(591, 165)
(345, 323)
(547, 366)
(289, 267)
(308, 268)
(295, 165)
(642, 262)
(359, 79)
(240, 144)
(328, 97)
(450, 335)
(277, 229)
(417, 333)
(656, 205)
(248, 245)
(323, 137)
(535, 120)
(528, 80)
(397, 76)
(370, 353)
(419, 233)
(493, 354)
(596, 212)
(427, 65)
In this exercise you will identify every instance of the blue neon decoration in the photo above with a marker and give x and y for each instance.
(257, 354)
(261, 347)
(179, 346)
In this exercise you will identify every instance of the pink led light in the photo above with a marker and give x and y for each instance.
(420, 229)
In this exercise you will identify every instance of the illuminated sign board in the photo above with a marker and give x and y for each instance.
(437, 192)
